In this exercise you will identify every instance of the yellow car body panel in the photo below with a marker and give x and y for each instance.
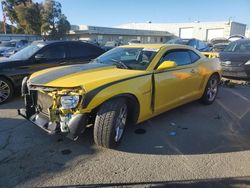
(156, 92)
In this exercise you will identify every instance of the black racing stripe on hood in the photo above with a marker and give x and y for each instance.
(55, 74)
(90, 95)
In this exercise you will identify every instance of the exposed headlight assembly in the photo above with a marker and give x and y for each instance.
(69, 102)
(247, 63)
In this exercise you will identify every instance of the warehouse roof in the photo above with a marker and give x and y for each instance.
(81, 29)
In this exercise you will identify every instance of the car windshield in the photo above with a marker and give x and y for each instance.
(8, 44)
(27, 52)
(236, 46)
(132, 58)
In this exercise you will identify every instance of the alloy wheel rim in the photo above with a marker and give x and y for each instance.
(212, 89)
(120, 123)
(4, 91)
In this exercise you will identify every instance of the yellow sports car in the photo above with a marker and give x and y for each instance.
(128, 84)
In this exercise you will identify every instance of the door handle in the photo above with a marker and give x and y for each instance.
(193, 71)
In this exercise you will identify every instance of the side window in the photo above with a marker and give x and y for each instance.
(78, 50)
(94, 50)
(181, 57)
(194, 57)
(54, 52)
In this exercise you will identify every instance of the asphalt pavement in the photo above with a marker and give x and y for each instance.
(190, 146)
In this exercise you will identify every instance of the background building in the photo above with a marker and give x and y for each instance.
(7, 37)
(200, 30)
(104, 34)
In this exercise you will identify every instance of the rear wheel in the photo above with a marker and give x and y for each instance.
(6, 90)
(110, 123)
(211, 90)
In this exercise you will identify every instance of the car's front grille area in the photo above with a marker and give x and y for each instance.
(44, 102)
(233, 69)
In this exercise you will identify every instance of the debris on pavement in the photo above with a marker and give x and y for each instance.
(172, 133)
(172, 124)
(231, 83)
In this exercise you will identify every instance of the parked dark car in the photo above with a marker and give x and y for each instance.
(235, 59)
(236, 37)
(111, 44)
(41, 55)
(197, 44)
(219, 44)
(8, 48)
(134, 41)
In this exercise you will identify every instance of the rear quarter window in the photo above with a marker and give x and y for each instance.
(194, 57)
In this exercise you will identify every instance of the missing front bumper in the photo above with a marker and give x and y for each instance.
(40, 120)
(76, 125)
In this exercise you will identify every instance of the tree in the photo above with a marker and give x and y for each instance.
(54, 23)
(63, 26)
(35, 18)
(9, 28)
(9, 8)
(29, 17)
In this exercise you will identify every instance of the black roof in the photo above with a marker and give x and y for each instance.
(46, 42)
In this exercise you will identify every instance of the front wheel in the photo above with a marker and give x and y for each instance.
(211, 90)
(110, 123)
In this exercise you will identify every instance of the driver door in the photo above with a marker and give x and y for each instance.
(178, 85)
(51, 56)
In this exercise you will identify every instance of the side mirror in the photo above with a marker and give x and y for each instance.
(39, 57)
(166, 65)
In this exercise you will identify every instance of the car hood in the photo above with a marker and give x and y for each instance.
(236, 59)
(89, 76)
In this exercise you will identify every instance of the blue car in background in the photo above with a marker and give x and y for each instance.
(197, 44)
(8, 48)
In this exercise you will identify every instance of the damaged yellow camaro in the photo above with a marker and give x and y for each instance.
(126, 85)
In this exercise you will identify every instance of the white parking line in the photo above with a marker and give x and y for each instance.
(238, 94)
(230, 111)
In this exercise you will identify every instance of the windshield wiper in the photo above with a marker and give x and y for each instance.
(120, 63)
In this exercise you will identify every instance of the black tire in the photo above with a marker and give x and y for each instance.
(6, 90)
(206, 97)
(107, 121)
